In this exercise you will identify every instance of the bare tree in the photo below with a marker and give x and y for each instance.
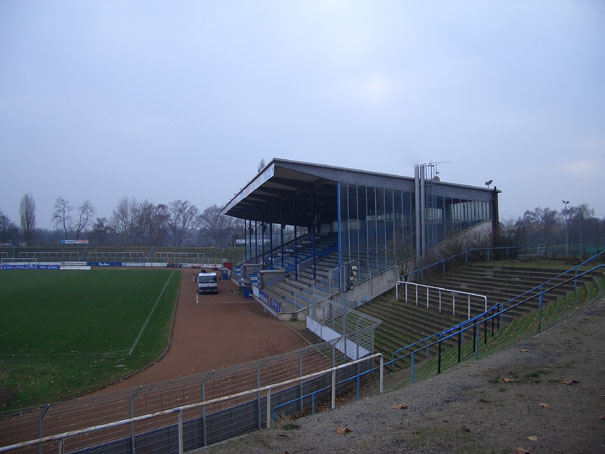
(85, 213)
(217, 228)
(183, 217)
(101, 231)
(62, 216)
(8, 229)
(123, 218)
(27, 214)
(152, 223)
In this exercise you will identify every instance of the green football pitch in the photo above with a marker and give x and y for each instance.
(63, 333)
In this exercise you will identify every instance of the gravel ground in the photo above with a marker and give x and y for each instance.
(470, 409)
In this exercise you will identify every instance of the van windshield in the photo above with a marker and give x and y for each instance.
(206, 279)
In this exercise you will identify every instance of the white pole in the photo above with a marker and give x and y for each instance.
(439, 300)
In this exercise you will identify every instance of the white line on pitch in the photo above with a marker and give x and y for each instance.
(136, 341)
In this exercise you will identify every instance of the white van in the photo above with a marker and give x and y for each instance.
(207, 283)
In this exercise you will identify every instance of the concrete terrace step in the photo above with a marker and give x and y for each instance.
(410, 318)
(404, 323)
(510, 280)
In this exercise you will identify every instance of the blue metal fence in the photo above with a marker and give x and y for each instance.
(493, 314)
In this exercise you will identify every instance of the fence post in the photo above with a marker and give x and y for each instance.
(40, 431)
(575, 281)
(180, 431)
(453, 304)
(412, 367)
(443, 264)
(61, 441)
(132, 438)
(439, 360)
(488, 254)
(540, 311)
(406, 291)
(333, 389)
(469, 306)
(485, 329)
(427, 297)
(476, 342)
(300, 383)
(416, 294)
(357, 337)
(493, 323)
(204, 418)
(269, 415)
(396, 291)
(475, 335)
(440, 301)
(459, 344)
(466, 257)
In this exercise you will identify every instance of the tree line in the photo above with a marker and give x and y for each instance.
(180, 223)
(177, 223)
(573, 230)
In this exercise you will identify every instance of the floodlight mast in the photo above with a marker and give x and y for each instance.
(566, 203)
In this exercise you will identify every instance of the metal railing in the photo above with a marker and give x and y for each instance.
(179, 410)
(427, 341)
(494, 314)
(467, 254)
(28, 423)
(440, 290)
(330, 319)
(574, 270)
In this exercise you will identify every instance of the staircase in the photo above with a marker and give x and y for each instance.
(297, 293)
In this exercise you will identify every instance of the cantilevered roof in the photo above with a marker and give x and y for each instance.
(272, 193)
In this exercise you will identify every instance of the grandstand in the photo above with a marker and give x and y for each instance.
(348, 229)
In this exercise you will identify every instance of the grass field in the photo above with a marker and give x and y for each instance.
(63, 333)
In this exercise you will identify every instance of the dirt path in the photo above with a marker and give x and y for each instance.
(470, 409)
(213, 332)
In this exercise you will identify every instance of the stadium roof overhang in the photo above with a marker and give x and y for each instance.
(292, 192)
(285, 191)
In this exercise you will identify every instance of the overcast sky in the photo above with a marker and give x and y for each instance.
(181, 100)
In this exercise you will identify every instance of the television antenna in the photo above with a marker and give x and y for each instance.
(432, 172)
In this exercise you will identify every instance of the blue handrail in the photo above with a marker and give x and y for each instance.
(496, 311)
(575, 268)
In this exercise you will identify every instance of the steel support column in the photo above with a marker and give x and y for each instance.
(295, 246)
(271, 237)
(339, 236)
(282, 226)
(313, 233)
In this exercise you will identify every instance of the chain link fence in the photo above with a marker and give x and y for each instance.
(210, 424)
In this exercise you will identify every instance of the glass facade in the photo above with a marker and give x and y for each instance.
(378, 225)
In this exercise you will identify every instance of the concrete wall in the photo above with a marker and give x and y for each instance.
(374, 286)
